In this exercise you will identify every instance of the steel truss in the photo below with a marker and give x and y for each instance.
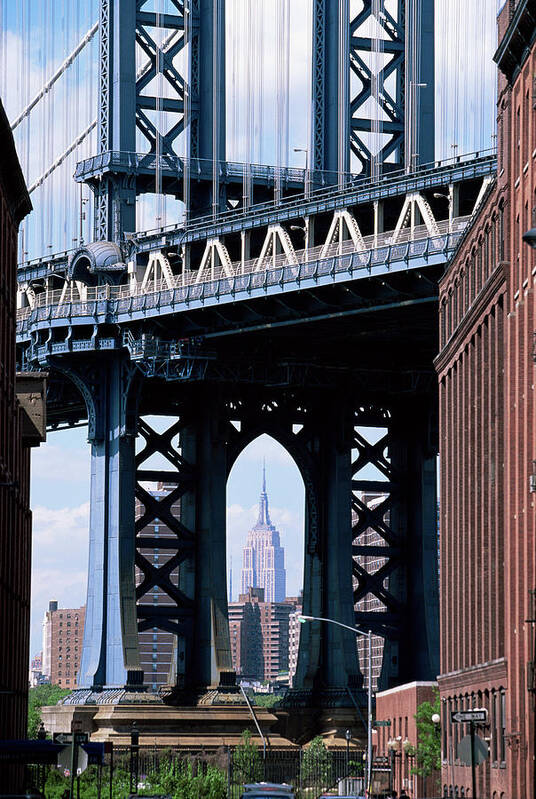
(372, 62)
(126, 101)
(394, 534)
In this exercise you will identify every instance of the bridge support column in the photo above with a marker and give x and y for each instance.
(203, 511)
(414, 655)
(328, 658)
(110, 656)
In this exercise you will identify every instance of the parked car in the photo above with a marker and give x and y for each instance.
(268, 790)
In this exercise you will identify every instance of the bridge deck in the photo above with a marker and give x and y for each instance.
(315, 267)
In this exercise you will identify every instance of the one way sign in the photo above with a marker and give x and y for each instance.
(478, 715)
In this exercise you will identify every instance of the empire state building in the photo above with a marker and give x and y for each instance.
(263, 557)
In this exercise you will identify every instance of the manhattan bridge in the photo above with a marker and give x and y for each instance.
(297, 302)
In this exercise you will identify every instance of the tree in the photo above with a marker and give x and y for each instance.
(428, 750)
(39, 697)
(247, 764)
(315, 769)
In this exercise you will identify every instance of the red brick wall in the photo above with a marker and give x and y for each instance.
(486, 372)
(15, 517)
(520, 556)
(399, 706)
(66, 636)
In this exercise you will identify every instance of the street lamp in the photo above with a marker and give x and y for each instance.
(450, 199)
(367, 635)
(306, 186)
(530, 238)
(413, 127)
(393, 747)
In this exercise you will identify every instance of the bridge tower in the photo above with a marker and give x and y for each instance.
(117, 393)
(373, 85)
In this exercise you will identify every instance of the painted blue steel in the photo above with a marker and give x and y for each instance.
(342, 118)
(364, 191)
(355, 266)
(110, 649)
(124, 99)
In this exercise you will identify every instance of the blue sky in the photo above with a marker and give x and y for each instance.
(60, 468)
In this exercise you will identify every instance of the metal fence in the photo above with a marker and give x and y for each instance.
(311, 772)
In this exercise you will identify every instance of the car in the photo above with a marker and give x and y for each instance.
(268, 790)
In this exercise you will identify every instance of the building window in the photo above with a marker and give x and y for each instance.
(494, 729)
(502, 740)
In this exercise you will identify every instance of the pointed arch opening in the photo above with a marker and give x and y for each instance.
(265, 562)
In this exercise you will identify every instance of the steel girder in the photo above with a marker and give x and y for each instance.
(126, 99)
(387, 47)
(395, 537)
(109, 386)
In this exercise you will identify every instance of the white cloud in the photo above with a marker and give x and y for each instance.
(59, 561)
(53, 462)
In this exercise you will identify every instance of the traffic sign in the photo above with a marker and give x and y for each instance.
(63, 738)
(480, 750)
(381, 723)
(66, 738)
(479, 715)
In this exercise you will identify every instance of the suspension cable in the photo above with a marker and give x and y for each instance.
(61, 158)
(57, 75)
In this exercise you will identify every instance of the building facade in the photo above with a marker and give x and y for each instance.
(263, 557)
(63, 633)
(22, 425)
(246, 635)
(294, 630)
(260, 635)
(395, 743)
(488, 445)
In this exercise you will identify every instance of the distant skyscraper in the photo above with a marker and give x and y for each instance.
(63, 633)
(263, 557)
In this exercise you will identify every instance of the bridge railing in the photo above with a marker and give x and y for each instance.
(312, 264)
(330, 185)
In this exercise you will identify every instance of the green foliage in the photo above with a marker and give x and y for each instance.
(57, 784)
(182, 781)
(247, 763)
(39, 697)
(266, 700)
(315, 767)
(356, 768)
(428, 750)
(179, 779)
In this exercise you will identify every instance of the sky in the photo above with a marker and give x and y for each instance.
(465, 90)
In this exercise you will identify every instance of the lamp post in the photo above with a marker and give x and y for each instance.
(367, 635)
(134, 757)
(306, 187)
(413, 128)
(348, 736)
(450, 199)
(393, 747)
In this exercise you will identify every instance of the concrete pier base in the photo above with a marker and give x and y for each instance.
(203, 727)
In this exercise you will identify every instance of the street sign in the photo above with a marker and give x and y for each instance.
(464, 750)
(63, 738)
(66, 738)
(479, 716)
(381, 723)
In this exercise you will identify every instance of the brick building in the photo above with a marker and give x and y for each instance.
(63, 634)
(260, 635)
(246, 634)
(397, 741)
(21, 426)
(487, 446)
(294, 630)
